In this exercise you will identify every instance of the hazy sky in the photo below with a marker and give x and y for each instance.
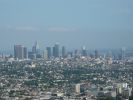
(73, 23)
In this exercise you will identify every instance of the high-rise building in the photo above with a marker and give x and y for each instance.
(76, 53)
(36, 51)
(96, 54)
(25, 53)
(35, 48)
(45, 54)
(56, 50)
(63, 52)
(84, 51)
(20, 52)
(49, 52)
(123, 53)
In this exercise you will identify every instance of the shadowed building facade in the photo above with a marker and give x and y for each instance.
(20, 52)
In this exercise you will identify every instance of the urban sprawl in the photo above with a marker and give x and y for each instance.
(58, 74)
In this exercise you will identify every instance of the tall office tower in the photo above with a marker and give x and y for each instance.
(35, 48)
(64, 52)
(96, 54)
(45, 54)
(49, 52)
(123, 53)
(25, 53)
(84, 51)
(56, 50)
(76, 53)
(20, 52)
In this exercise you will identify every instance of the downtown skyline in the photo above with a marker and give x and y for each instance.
(66, 49)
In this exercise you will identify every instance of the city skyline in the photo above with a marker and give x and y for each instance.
(66, 50)
(95, 24)
(36, 45)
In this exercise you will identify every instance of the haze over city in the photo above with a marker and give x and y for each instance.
(66, 50)
(73, 23)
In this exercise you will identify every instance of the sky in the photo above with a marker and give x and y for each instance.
(73, 23)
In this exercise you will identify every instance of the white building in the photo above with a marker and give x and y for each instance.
(77, 88)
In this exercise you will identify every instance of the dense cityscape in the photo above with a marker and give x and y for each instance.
(66, 49)
(58, 74)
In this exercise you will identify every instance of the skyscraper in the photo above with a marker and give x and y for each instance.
(84, 51)
(25, 52)
(20, 52)
(56, 50)
(45, 54)
(96, 54)
(36, 51)
(123, 53)
(49, 52)
(76, 53)
(63, 52)
(35, 48)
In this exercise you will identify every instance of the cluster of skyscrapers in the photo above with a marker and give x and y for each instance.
(21, 52)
